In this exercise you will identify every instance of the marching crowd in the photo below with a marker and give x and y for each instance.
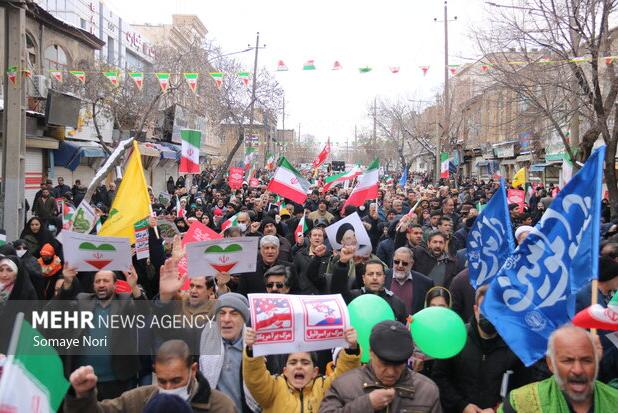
(417, 259)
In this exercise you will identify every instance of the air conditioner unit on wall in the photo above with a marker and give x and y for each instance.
(37, 86)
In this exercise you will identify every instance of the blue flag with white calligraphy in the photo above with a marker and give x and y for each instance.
(404, 176)
(490, 241)
(534, 292)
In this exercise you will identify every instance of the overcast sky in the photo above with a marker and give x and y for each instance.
(357, 33)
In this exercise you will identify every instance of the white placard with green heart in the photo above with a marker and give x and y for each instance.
(230, 255)
(93, 253)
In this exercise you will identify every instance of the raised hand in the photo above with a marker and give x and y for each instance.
(83, 381)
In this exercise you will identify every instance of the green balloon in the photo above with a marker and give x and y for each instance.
(366, 311)
(439, 332)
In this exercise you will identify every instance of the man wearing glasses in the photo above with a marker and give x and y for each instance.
(409, 286)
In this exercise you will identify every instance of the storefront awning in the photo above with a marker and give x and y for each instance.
(173, 147)
(70, 153)
(538, 167)
(480, 163)
(148, 149)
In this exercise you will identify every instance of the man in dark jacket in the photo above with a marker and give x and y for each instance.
(61, 188)
(373, 280)
(471, 381)
(45, 207)
(409, 286)
(310, 263)
(434, 261)
(386, 383)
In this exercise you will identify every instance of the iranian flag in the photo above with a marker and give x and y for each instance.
(309, 65)
(289, 183)
(190, 151)
(56, 74)
(112, 77)
(230, 222)
(597, 316)
(164, 81)
(218, 78)
(321, 158)
(444, 164)
(342, 177)
(33, 377)
(245, 77)
(367, 186)
(80, 75)
(138, 78)
(250, 155)
(191, 79)
(301, 229)
(270, 163)
(281, 66)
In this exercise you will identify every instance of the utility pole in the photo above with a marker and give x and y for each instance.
(299, 133)
(446, 116)
(14, 123)
(257, 47)
(375, 140)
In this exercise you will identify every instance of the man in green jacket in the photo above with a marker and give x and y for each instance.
(573, 359)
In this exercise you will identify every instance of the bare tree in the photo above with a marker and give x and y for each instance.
(561, 47)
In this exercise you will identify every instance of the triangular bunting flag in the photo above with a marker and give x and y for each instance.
(245, 77)
(425, 69)
(79, 74)
(218, 78)
(27, 73)
(191, 79)
(394, 69)
(164, 81)
(309, 65)
(281, 67)
(365, 69)
(609, 60)
(337, 65)
(485, 68)
(56, 74)
(453, 69)
(11, 73)
(112, 77)
(138, 78)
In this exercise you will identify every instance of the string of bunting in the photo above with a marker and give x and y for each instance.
(192, 78)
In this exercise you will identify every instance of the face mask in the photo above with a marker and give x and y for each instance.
(182, 392)
(486, 325)
(20, 253)
(242, 227)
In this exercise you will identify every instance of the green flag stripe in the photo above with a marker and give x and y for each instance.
(192, 137)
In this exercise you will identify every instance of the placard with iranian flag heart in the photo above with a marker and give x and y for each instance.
(93, 253)
(230, 255)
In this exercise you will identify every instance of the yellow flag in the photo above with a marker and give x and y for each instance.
(132, 202)
(519, 179)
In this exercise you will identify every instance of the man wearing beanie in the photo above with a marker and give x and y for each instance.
(386, 383)
(221, 349)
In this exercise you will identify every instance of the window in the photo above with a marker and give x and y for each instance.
(111, 58)
(31, 51)
(56, 57)
(82, 23)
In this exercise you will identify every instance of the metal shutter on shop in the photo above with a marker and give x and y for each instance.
(34, 173)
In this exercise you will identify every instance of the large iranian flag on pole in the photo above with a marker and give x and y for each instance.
(367, 186)
(190, 151)
(444, 164)
(289, 183)
(342, 177)
(32, 378)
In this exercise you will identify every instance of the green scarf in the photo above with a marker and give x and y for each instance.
(546, 397)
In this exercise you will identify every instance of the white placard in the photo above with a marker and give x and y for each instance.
(93, 253)
(231, 255)
(292, 323)
(354, 230)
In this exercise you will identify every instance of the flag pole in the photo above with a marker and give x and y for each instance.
(15, 334)
(594, 299)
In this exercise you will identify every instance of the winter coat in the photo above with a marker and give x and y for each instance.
(475, 374)
(274, 393)
(424, 262)
(45, 208)
(462, 296)
(310, 270)
(203, 399)
(350, 393)
(340, 285)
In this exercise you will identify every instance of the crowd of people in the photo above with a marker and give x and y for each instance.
(417, 259)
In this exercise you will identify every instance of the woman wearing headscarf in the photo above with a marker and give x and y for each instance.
(31, 264)
(36, 235)
(15, 285)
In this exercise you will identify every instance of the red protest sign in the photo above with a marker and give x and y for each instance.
(236, 177)
(254, 183)
(517, 196)
(196, 232)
